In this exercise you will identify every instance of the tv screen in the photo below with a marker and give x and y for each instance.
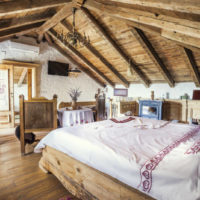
(57, 68)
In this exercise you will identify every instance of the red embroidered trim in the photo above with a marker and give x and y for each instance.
(122, 121)
(194, 149)
(150, 165)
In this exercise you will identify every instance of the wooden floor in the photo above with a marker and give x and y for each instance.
(21, 178)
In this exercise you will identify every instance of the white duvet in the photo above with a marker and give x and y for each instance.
(159, 158)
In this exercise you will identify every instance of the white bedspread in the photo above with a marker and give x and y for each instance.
(156, 157)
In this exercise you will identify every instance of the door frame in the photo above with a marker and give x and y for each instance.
(33, 85)
(33, 76)
(10, 111)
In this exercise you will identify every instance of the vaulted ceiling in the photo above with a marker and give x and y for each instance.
(158, 39)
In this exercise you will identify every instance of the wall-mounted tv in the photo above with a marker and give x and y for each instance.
(57, 68)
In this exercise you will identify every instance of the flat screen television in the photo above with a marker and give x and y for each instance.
(57, 68)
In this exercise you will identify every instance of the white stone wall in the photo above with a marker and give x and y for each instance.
(23, 89)
(50, 84)
(60, 85)
(160, 90)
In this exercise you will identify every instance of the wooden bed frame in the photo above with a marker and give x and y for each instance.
(82, 180)
(37, 115)
(86, 182)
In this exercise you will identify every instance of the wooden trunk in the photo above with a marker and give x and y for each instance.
(86, 182)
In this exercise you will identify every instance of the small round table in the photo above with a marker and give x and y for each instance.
(74, 117)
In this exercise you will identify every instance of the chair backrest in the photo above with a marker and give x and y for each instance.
(36, 115)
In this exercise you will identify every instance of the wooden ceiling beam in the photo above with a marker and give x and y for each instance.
(186, 32)
(155, 15)
(79, 66)
(26, 20)
(20, 6)
(22, 77)
(63, 13)
(146, 44)
(48, 39)
(98, 55)
(156, 31)
(19, 30)
(100, 30)
(189, 58)
(67, 46)
(183, 6)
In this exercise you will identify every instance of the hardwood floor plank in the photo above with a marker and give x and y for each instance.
(21, 178)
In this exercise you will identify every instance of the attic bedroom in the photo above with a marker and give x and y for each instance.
(99, 100)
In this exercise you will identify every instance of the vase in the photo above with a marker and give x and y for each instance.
(74, 106)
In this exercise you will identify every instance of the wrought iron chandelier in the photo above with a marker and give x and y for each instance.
(73, 37)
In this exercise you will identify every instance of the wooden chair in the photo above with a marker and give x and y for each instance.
(100, 105)
(37, 115)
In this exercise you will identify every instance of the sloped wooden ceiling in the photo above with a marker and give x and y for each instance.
(158, 39)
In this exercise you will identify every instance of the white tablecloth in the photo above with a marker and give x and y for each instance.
(73, 117)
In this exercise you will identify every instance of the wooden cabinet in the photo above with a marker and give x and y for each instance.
(172, 110)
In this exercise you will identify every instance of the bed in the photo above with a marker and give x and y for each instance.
(125, 158)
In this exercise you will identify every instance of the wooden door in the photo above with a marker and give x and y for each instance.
(6, 96)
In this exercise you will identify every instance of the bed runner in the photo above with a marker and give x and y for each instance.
(194, 149)
(150, 165)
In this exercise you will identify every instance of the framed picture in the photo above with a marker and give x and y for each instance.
(121, 92)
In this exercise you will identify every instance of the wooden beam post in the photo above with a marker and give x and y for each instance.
(97, 54)
(184, 6)
(156, 31)
(21, 106)
(66, 11)
(189, 58)
(12, 102)
(186, 32)
(81, 57)
(19, 30)
(48, 39)
(146, 44)
(20, 6)
(25, 20)
(55, 97)
(58, 44)
(29, 84)
(125, 57)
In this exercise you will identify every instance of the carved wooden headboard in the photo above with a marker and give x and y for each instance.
(37, 115)
(118, 108)
(127, 106)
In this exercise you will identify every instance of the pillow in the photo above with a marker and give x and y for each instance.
(128, 113)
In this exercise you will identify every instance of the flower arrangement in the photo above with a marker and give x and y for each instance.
(74, 93)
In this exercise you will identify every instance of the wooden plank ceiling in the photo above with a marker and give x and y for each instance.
(158, 40)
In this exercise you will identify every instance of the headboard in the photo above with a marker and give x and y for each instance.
(121, 107)
(80, 103)
(127, 106)
(37, 115)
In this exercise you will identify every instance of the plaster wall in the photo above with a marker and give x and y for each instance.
(59, 85)
(23, 89)
(51, 84)
(160, 90)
